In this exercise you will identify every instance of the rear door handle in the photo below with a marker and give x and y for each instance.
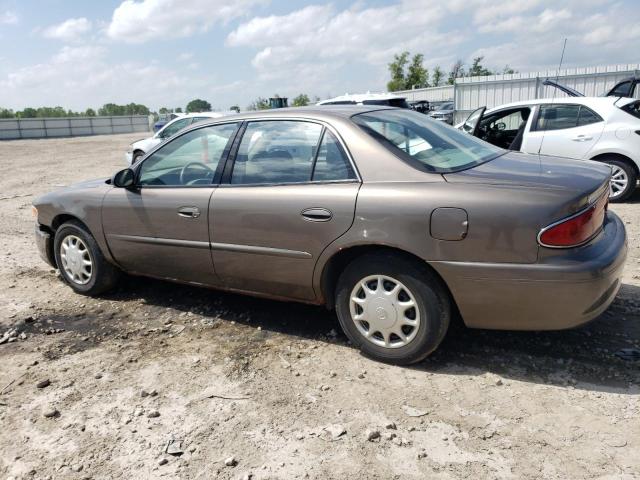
(582, 138)
(189, 212)
(316, 214)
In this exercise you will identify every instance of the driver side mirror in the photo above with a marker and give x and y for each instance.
(124, 178)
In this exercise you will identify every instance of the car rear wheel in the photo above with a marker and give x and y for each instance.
(81, 263)
(623, 180)
(393, 309)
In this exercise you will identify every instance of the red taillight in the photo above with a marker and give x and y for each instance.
(577, 229)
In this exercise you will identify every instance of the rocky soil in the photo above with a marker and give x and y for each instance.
(158, 380)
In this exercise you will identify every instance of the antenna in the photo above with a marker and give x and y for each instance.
(553, 97)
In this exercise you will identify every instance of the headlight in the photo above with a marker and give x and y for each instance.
(34, 212)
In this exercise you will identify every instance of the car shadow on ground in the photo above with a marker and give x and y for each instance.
(583, 358)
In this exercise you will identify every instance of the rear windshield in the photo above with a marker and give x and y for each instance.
(425, 143)
(391, 102)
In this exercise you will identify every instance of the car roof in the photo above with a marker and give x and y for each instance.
(323, 112)
(361, 97)
(206, 114)
(588, 101)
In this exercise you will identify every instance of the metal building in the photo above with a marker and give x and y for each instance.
(470, 93)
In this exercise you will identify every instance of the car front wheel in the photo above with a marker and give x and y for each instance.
(80, 261)
(392, 308)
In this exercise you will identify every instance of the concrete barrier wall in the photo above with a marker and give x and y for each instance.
(14, 128)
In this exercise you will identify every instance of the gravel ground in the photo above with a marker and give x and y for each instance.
(163, 380)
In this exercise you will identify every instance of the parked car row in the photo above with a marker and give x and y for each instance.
(390, 218)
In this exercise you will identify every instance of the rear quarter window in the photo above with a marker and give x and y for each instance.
(632, 108)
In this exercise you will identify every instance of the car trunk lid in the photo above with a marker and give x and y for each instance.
(565, 186)
(537, 171)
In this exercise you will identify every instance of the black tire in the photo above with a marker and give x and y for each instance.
(104, 276)
(431, 298)
(632, 179)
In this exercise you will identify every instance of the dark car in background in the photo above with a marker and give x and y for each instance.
(421, 106)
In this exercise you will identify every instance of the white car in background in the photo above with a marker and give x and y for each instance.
(605, 129)
(383, 99)
(140, 148)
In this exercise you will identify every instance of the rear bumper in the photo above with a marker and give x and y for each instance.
(559, 292)
(44, 242)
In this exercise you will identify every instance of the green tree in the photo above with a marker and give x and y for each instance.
(301, 100)
(90, 112)
(259, 104)
(163, 110)
(417, 76)
(234, 108)
(396, 69)
(437, 76)
(477, 69)
(27, 113)
(178, 110)
(198, 105)
(111, 109)
(6, 113)
(508, 70)
(457, 71)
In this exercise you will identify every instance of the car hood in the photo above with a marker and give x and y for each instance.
(536, 171)
(73, 188)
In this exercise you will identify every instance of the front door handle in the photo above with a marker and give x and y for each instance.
(189, 212)
(316, 214)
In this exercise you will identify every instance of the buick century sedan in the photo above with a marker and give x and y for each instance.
(392, 219)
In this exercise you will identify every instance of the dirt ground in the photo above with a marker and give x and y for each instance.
(276, 386)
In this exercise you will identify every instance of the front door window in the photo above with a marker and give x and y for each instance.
(189, 160)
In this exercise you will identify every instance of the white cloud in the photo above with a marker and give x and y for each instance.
(139, 21)
(68, 30)
(81, 76)
(291, 44)
(8, 18)
(185, 56)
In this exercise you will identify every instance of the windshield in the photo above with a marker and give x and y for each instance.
(425, 143)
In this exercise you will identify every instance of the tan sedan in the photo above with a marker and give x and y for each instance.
(391, 218)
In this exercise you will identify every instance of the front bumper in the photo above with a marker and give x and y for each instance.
(44, 242)
(559, 292)
(128, 157)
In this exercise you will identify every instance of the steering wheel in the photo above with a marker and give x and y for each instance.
(200, 165)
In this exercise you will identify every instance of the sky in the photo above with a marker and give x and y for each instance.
(80, 54)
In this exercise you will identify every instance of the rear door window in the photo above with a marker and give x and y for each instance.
(558, 117)
(332, 163)
(278, 151)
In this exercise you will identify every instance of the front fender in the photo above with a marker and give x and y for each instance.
(82, 203)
